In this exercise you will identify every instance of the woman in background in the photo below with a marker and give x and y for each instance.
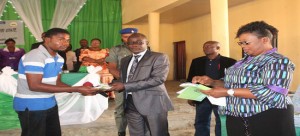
(95, 56)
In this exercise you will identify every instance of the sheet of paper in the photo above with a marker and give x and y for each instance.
(193, 92)
(217, 101)
(199, 86)
(103, 86)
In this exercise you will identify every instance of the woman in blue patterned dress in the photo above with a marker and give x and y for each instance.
(256, 87)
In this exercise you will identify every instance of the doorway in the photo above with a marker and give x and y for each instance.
(179, 61)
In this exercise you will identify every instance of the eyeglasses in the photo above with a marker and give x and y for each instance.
(137, 42)
(243, 43)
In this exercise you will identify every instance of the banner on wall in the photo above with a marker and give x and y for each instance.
(12, 29)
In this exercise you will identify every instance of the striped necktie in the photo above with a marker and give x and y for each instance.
(133, 66)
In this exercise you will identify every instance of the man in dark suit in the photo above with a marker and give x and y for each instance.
(146, 99)
(84, 44)
(212, 65)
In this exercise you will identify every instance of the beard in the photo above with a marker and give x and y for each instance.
(62, 48)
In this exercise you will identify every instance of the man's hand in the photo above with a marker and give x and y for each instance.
(117, 86)
(192, 103)
(112, 67)
(85, 90)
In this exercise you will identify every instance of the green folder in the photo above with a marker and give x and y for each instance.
(192, 92)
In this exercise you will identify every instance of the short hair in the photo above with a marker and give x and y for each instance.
(83, 40)
(213, 42)
(55, 31)
(137, 35)
(97, 39)
(259, 28)
(9, 40)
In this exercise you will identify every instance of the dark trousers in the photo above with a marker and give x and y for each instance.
(273, 122)
(145, 125)
(40, 123)
(203, 118)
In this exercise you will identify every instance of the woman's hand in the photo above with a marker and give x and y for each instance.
(216, 92)
(88, 59)
(98, 61)
(205, 80)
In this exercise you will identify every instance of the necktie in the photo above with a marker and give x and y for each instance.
(133, 66)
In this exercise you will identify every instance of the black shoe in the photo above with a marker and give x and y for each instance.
(121, 133)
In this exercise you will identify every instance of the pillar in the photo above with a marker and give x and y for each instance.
(219, 23)
(153, 37)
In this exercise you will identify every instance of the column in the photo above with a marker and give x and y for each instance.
(219, 23)
(153, 20)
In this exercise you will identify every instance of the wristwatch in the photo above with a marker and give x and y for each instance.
(230, 92)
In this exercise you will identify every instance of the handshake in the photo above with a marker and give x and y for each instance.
(88, 89)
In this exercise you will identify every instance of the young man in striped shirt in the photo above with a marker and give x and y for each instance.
(39, 78)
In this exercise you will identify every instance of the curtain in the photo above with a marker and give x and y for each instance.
(48, 8)
(30, 12)
(2, 6)
(65, 12)
(11, 14)
(96, 19)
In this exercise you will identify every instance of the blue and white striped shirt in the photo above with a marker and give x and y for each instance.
(268, 76)
(37, 61)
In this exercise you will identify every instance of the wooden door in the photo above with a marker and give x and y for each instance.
(179, 61)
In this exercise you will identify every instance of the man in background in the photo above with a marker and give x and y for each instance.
(70, 59)
(116, 53)
(84, 44)
(212, 65)
(36, 45)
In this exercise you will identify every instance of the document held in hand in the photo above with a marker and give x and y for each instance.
(193, 92)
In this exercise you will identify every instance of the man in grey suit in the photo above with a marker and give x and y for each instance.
(146, 99)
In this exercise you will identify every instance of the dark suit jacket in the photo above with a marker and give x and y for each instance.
(149, 93)
(197, 67)
(78, 63)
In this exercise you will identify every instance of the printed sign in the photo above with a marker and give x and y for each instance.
(12, 29)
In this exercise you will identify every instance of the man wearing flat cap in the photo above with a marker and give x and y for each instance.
(116, 53)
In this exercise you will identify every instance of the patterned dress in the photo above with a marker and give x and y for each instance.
(268, 76)
(105, 76)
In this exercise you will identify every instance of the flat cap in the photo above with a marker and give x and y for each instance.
(128, 30)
